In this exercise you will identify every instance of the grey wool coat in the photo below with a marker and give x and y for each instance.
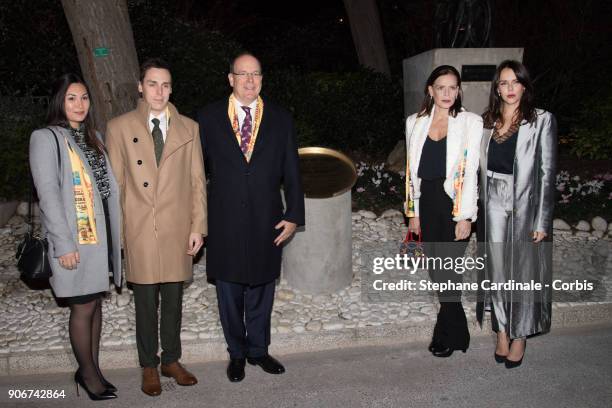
(533, 198)
(59, 221)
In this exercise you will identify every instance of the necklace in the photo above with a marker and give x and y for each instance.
(507, 134)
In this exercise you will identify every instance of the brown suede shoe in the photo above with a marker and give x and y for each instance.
(150, 381)
(178, 372)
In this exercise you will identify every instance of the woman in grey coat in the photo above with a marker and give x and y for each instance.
(80, 213)
(517, 177)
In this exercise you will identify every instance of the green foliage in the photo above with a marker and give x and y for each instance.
(591, 136)
(357, 111)
(18, 118)
(36, 47)
(199, 59)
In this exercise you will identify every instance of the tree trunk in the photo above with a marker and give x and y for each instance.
(367, 34)
(103, 37)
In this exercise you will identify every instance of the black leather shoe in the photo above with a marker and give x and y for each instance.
(235, 369)
(268, 363)
(433, 346)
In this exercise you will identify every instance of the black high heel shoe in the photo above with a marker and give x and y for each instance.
(109, 387)
(105, 395)
(443, 351)
(499, 358)
(514, 364)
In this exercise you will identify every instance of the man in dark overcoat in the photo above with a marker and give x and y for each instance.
(250, 149)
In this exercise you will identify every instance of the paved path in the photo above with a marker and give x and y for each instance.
(567, 368)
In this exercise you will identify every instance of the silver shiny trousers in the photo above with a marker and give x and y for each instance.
(499, 239)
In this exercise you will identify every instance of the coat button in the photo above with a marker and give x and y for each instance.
(135, 140)
(146, 184)
(139, 162)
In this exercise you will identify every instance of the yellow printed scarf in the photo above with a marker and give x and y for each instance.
(83, 200)
(233, 116)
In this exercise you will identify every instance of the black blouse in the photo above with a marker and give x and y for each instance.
(501, 155)
(433, 159)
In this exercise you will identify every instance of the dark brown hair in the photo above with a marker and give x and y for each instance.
(153, 63)
(526, 110)
(56, 112)
(428, 102)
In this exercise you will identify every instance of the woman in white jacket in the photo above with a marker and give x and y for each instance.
(443, 143)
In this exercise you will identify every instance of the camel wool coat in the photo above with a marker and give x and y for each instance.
(161, 204)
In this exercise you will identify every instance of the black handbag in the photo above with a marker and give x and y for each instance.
(32, 252)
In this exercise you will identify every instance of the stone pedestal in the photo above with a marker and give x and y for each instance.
(475, 93)
(318, 258)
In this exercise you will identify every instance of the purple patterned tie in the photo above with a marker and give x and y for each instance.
(245, 132)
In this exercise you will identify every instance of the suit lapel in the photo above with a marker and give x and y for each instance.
(261, 138)
(525, 134)
(176, 135)
(454, 143)
(228, 137)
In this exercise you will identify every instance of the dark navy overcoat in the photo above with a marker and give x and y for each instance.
(244, 198)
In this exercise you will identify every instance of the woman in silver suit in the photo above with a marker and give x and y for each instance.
(517, 176)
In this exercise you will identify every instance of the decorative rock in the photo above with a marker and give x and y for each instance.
(333, 325)
(583, 226)
(188, 335)
(559, 224)
(356, 217)
(313, 326)
(123, 299)
(598, 234)
(285, 294)
(391, 213)
(583, 234)
(283, 329)
(367, 214)
(599, 224)
(22, 208)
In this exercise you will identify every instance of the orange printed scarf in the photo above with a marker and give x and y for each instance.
(233, 116)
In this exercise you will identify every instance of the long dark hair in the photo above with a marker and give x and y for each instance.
(428, 102)
(526, 110)
(56, 113)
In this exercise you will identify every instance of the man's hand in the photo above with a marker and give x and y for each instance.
(538, 236)
(195, 243)
(288, 230)
(462, 230)
(69, 260)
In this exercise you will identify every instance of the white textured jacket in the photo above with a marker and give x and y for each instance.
(464, 133)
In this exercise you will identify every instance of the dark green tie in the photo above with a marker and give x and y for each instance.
(158, 139)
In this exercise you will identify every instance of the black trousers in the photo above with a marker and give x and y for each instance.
(245, 312)
(438, 234)
(146, 302)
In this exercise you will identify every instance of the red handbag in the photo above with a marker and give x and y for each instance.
(411, 247)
